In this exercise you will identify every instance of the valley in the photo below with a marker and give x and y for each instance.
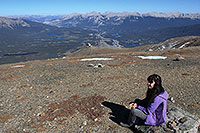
(51, 36)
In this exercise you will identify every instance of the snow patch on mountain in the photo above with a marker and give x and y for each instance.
(177, 43)
(102, 19)
(11, 24)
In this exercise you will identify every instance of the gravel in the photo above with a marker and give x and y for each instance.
(72, 93)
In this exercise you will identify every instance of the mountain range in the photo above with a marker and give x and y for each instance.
(51, 36)
(110, 23)
(100, 18)
(125, 20)
(129, 28)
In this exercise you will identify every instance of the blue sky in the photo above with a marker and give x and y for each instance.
(62, 7)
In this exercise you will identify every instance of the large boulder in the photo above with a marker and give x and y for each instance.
(178, 121)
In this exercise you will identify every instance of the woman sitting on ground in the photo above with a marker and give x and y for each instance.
(152, 110)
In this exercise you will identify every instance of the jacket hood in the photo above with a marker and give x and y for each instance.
(164, 95)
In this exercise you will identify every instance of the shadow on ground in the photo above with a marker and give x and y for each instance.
(119, 113)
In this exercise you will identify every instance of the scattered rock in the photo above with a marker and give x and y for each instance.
(172, 99)
(50, 92)
(85, 123)
(172, 125)
(20, 98)
(150, 49)
(91, 65)
(42, 114)
(183, 120)
(96, 66)
(178, 58)
(99, 65)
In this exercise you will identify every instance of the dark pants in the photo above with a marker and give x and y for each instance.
(134, 115)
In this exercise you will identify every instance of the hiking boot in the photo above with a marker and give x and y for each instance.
(125, 125)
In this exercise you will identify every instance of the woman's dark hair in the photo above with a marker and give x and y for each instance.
(156, 90)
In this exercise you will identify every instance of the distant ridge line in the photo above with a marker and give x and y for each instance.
(112, 14)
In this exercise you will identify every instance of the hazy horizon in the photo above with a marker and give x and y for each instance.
(63, 7)
(92, 12)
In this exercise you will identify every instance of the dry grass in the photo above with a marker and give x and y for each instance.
(10, 77)
(4, 118)
(89, 106)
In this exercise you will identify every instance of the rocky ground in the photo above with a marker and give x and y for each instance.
(69, 95)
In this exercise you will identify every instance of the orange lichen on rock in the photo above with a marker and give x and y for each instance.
(20, 98)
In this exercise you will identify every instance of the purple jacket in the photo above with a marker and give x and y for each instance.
(156, 111)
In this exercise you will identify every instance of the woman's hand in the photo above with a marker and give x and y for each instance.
(132, 105)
